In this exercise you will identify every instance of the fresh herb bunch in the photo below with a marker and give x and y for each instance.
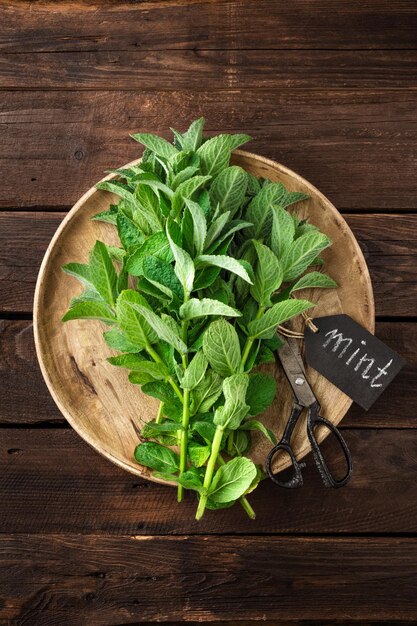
(212, 258)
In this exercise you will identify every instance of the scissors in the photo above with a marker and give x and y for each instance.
(290, 357)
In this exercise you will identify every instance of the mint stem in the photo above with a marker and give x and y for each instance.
(215, 449)
(160, 413)
(185, 415)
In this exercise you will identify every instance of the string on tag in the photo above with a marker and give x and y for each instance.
(308, 321)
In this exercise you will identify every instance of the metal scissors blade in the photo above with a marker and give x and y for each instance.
(293, 366)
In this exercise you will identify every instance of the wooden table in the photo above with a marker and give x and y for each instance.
(327, 88)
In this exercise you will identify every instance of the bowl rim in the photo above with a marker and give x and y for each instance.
(79, 429)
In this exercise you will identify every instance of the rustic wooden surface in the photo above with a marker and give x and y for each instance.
(331, 92)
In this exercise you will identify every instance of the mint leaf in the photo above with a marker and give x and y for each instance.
(235, 409)
(215, 154)
(191, 139)
(199, 225)
(221, 347)
(314, 279)
(268, 274)
(283, 231)
(157, 457)
(261, 392)
(265, 327)
(129, 233)
(156, 245)
(232, 480)
(200, 308)
(229, 189)
(259, 210)
(160, 327)
(102, 273)
(132, 323)
(302, 253)
(184, 266)
(227, 263)
(161, 147)
(90, 310)
(195, 371)
(256, 425)
(198, 454)
(186, 190)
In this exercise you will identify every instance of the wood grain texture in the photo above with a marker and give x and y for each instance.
(105, 25)
(26, 399)
(207, 70)
(359, 147)
(98, 400)
(51, 481)
(389, 243)
(73, 580)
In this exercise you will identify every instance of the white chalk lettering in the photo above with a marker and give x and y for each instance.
(382, 371)
(339, 339)
(364, 358)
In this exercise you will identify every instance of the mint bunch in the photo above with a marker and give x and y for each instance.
(209, 260)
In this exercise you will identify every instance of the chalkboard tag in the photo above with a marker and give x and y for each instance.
(351, 358)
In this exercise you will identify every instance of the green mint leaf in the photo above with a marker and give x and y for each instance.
(117, 340)
(136, 329)
(156, 245)
(161, 147)
(148, 214)
(162, 275)
(115, 186)
(261, 392)
(216, 228)
(160, 327)
(215, 154)
(283, 231)
(238, 139)
(198, 454)
(302, 253)
(229, 189)
(268, 274)
(291, 197)
(259, 210)
(235, 409)
(265, 327)
(90, 310)
(221, 348)
(129, 234)
(154, 371)
(157, 457)
(229, 230)
(227, 263)
(314, 279)
(152, 430)
(184, 266)
(128, 360)
(109, 216)
(182, 176)
(232, 480)
(195, 371)
(186, 190)
(200, 308)
(81, 271)
(102, 273)
(206, 393)
(199, 225)
(191, 139)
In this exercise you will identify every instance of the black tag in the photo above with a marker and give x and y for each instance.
(351, 358)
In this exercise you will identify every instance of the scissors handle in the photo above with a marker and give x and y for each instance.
(315, 419)
(284, 446)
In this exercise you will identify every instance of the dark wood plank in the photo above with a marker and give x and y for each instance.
(73, 580)
(26, 399)
(51, 481)
(357, 146)
(104, 25)
(208, 70)
(389, 243)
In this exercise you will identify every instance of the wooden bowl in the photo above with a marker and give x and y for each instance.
(97, 398)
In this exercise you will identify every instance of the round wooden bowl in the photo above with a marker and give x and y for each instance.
(97, 398)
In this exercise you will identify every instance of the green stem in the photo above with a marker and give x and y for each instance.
(184, 438)
(185, 413)
(243, 499)
(160, 413)
(215, 449)
(249, 340)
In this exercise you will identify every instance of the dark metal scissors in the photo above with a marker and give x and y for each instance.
(304, 398)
